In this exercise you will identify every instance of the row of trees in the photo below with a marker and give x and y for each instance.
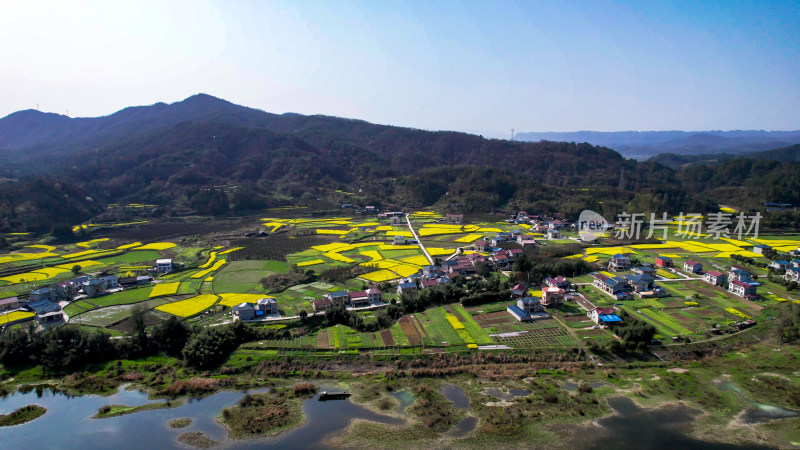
(66, 349)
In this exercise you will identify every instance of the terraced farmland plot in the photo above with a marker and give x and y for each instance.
(104, 317)
(410, 330)
(537, 338)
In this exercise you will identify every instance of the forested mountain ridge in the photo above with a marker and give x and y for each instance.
(784, 154)
(177, 156)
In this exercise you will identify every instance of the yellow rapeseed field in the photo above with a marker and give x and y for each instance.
(165, 289)
(14, 316)
(156, 246)
(190, 306)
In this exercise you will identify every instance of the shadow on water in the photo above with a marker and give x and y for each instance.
(633, 427)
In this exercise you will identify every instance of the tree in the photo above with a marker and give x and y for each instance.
(62, 231)
(303, 314)
(76, 269)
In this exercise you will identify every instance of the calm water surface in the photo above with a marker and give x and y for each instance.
(68, 422)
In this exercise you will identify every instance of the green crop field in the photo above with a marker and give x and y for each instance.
(243, 276)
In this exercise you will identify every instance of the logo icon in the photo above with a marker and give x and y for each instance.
(591, 225)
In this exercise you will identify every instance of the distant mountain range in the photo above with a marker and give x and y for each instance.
(209, 156)
(644, 144)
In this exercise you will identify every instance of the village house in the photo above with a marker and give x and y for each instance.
(519, 290)
(604, 316)
(541, 229)
(337, 298)
(780, 265)
(244, 311)
(513, 253)
(530, 305)
(738, 273)
(66, 290)
(454, 218)
(358, 299)
(42, 306)
(613, 286)
(556, 224)
(110, 281)
(497, 241)
(664, 261)
(267, 305)
(792, 274)
(716, 278)
(619, 262)
(552, 297)
(553, 234)
(429, 284)
(761, 248)
(49, 319)
(526, 240)
(796, 263)
(321, 304)
(93, 288)
(692, 266)
(163, 265)
(645, 269)
(374, 295)
(481, 246)
(742, 289)
(500, 260)
(559, 282)
(44, 293)
(8, 304)
(640, 282)
(406, 288)
(431, 271)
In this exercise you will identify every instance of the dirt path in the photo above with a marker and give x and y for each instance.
(419, 241)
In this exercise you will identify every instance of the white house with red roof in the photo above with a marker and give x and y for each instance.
(692, 266)
(742, 289)
(716, 278)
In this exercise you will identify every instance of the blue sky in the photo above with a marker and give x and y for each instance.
(483, 67)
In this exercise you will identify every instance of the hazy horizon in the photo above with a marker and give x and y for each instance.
(463, 66)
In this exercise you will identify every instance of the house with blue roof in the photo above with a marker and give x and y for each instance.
(406, 288)
(619, 262)
(337, 298)
(780, 265)
(518, 313)
(604, 316)
(761, 248)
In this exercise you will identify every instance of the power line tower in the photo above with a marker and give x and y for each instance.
(512, 134)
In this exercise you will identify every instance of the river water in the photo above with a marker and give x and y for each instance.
(68, 423)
